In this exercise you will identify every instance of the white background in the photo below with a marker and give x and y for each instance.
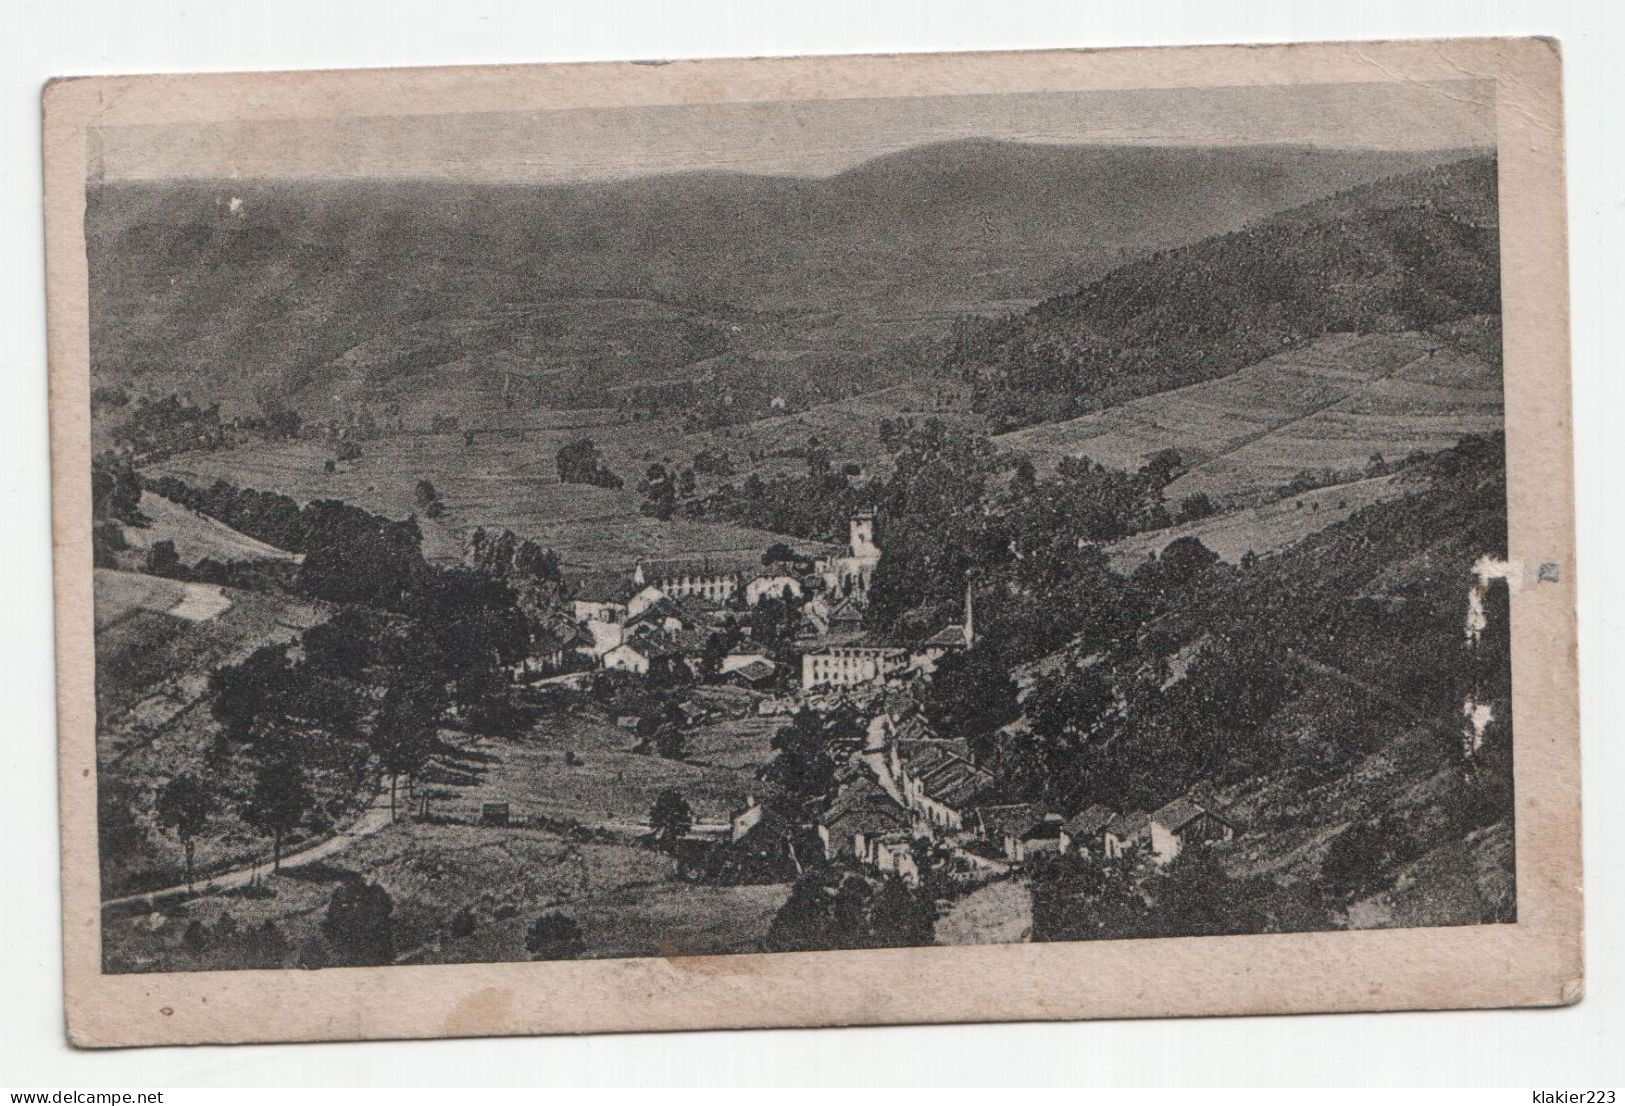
(1572, 1047)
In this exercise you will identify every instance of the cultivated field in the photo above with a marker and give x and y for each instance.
(744, 743)
(1266, 528)
(502, 481)
(1330, 405)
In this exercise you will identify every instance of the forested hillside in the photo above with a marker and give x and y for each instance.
(1318, 697)
(1407, 253)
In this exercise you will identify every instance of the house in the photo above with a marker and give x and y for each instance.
(1185, 823)
(775, 585)
(851, 573)
(743, 820)
(894, 853)
(602, 597)
(646, 597)
(551, 644)
(1086, 830)
(644, 655)
(629, 657)
(950, 639)
(1127, 832)
(760, 672)
(846, 616)
(700, 611)
(939, 784)
(1048, 836)
(1007, 825)
(815, 613)
(599, 636)
(659, 613)
(858, 819)
(844, 666)
(742, 654)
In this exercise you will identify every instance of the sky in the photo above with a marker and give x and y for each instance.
(802, 137)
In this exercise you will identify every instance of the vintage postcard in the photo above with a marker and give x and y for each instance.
(813, 541)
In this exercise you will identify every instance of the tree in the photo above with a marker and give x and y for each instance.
(971, 694)
(802, 769)
(404, 731)
(833, 908)
(184, 805)
(670, 743)
(1070, 702)
(346, 645)
(1196, 506)
(711, 657)
(360, 924)
(278, 802)
(162, 560)
(580, 463)
(555, 936)
(244, 693)
(779, 553)
(670, 816)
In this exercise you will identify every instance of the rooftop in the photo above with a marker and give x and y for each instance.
(1012, 818)
(602, 587)
(712, 564)
(1091, 820)
(866, 809)
(1180, 813)
(947, 637)
(1136, 823)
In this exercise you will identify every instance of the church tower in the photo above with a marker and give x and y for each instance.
(862, 542)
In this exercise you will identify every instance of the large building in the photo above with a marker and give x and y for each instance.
(681, 579)
(848, 665)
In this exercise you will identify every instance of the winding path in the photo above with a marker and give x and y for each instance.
(373, 819)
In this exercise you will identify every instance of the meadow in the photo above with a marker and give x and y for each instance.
(580, 768)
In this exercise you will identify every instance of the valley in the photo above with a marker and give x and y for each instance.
(651, 565)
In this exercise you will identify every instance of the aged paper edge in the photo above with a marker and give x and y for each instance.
(1536, 961)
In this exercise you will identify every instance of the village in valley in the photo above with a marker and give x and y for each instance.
(901, 781)
(717, 563)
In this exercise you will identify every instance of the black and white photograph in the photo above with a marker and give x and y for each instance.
(799, 525)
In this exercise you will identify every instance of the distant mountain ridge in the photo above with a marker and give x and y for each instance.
(1410, 252)
(264, 284)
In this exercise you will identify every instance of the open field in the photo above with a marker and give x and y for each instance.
(611, 787)
(1266, 528)
(735, 743)
(500, 482)
(999, 914)
(1329, 405)
(196, 536)
(849, 428)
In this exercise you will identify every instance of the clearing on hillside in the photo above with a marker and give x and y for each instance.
(1330, 405)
